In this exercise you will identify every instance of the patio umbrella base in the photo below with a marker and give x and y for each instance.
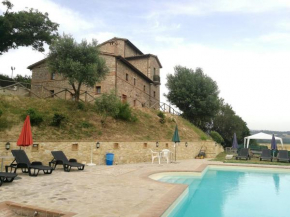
(91, 164)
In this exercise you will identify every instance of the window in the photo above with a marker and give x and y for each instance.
(75, 147)
(134, 81)
(134, 102)
(154, 94)
(127, 77)
(52, 93)
(52, 76)
(124, 98)
(98, 89)
(116, 145)
(35, 147)
(144, 88)
(154, 71)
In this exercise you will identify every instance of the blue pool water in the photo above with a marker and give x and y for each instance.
(234, 192)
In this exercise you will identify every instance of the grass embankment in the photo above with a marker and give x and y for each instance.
(83, 123)
(254, 160)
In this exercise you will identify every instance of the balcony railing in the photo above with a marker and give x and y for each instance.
(156, 79)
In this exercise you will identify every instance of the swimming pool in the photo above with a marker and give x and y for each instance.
(231, 192)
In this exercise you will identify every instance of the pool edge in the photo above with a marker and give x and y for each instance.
(160, 206)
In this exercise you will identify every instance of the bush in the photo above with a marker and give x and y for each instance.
(1, 113)
(35, 118)
(162, 117)
(57, 119)
(125, 112)
(107, 105)
(111, 105)
(161, 114)
(216, 137)
(81, 106)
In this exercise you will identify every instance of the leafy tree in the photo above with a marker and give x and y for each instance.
(194, 93)
(226, 123)
(216, 137)
(25, 28)
(5, 80)
(79, 63)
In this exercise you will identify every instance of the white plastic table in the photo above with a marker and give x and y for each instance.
(2, 162)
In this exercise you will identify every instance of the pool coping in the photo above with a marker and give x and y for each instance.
(160, 206)
(7, 204)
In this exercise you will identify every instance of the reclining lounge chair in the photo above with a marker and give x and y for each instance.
(283, 156)
(7, 177)
(243, 153)
(23, 162)
(60, 158)
(266, 155)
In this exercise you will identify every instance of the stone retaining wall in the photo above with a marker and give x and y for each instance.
(125, 152)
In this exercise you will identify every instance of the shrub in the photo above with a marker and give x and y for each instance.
(125, 113)
(111, 105)
(162, 117)
(216, 137)
(107, 105)
(1, 113)
(81, 106)
(203, 138)
(35, 118)
(57, 119)
(161, 114)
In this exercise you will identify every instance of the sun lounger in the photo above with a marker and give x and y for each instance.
(283, 156)
(266, 155)
(23, 162)
(60, 158)
(243, 153)
(7, 177)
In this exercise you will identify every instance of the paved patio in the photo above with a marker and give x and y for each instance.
(102, 191)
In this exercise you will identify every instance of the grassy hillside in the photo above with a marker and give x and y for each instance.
(83, 123)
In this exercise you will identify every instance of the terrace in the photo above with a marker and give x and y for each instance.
(119, 190)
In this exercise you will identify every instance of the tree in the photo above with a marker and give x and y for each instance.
(79, 63)
(25, 28)
(194, 93)
(216, 137)
(226, 123)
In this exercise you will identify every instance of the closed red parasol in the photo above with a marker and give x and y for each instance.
(25, 138)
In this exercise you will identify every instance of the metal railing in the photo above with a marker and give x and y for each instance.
(165, 108)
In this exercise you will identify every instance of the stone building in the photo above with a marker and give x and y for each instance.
(134, 76)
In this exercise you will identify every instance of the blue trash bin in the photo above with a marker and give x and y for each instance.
(109, 159)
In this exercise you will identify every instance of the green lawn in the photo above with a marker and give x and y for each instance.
(222, 157)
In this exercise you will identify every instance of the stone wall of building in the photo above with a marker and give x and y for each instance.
(136, 96)
(129, 51)
(42, 82)
(153, 64)
(125, 152)
(141, 64)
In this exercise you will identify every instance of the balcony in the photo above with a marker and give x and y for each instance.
(156, 79)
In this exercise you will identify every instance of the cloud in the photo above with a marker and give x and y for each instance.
(70, 21)
(168, 39)
(101, 36)
(205, 7)
(248, 80)
(277, 37)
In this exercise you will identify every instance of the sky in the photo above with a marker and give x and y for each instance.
(244, 45)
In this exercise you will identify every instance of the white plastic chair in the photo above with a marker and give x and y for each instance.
(166, 153)
(155, 154)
